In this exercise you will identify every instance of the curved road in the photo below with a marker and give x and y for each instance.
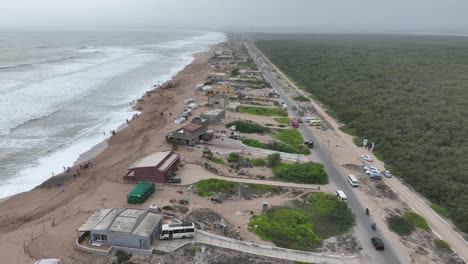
(363, 221)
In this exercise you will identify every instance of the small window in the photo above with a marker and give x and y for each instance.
(165, 232)
(98, 237)
(190, 230)
(176, 231)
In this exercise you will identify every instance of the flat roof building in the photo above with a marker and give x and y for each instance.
(157, 167)
(190, 134)
(132, 228)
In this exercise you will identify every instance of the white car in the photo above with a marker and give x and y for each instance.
(310, 119)
(372, 170)
(387, 173)
(285, 107)
(367, 158)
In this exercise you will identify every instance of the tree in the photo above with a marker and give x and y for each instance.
(273, 160)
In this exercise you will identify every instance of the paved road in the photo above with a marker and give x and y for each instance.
(269, 251)
(363, 222)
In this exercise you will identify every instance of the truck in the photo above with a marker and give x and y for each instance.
(294, 123)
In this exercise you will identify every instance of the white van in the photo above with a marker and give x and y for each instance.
(341, 195)
(353, 181)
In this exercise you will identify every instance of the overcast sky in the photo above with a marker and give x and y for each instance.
(405, 16)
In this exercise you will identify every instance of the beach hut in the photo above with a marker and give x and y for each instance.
(142, 192)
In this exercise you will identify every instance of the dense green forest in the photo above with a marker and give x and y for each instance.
(409, 94)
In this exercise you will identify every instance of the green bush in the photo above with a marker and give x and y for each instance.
(258, 162)
(122, 257)
(262, 111)
(273, 160)
(209, 187)
(276, 146)
(400, 225)
(440, 210)
(285, 227)
(441, 244)
(289, 136)
(310, 172)
(283, 120)
(233, 157)
(249, 128)
(262, 188)
(216, 160)
(301, 98)
(416, 220)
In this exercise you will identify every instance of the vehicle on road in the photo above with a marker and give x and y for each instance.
(315, 122)
(284, 107)
(341, 195)
(294, 123)
(309, 143)
(387, 173)
(48, 261)
(367, 158)
(183, 230)
(352, 180)
(377, 242)
(300, 111)
(300, 120)
(310, 118)
(294, 107)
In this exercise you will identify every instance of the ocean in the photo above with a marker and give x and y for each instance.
(60, 91)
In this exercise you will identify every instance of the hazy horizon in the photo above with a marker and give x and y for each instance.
(319, 16)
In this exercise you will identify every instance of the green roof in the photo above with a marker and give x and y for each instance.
(142, 188)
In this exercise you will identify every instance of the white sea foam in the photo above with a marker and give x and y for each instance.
(74, 82)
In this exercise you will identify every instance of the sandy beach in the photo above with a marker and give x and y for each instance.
(42, 222)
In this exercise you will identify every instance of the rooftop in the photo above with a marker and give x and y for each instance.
(191, 127)
(131, 221)
(151, 160)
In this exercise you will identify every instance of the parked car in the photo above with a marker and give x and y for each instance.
(377, 242)
(174, 179)
(309, 118)
(387, 173)
(371, 171)
(48, 261)
(365, 167)
(367, 158)
(294, 107)
(300, 120)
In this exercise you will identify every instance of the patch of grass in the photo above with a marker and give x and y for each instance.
(310, 172)
(262, 111)
(331, 216)
(416, 220)
(283, 120)
(249, 128)
(440, 210)
(297, 149)
(400, 225)
(262, 189)
(216, 160)
(289, 136)
(233, 157)
(258, 162)
(441, 244)
(209, 187)
(301, 98)
(285, 227)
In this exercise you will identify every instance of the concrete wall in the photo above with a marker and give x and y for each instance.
(121, 239)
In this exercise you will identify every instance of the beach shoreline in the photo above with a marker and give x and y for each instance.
(23, 215)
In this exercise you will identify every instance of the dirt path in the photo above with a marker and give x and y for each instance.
(440, 227)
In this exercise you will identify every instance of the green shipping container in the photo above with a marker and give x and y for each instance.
(142, 192)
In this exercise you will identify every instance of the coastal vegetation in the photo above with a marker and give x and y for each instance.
(405, 93)
(209, 187)
(289, 136)
(441, 244)
(407, 223)
(310, 172)
(273, 160)
(416, 220)
(276, 146)
(258, 162)
(248, 127)
(301, 98)
(262, 111)
(283, 120)
(305, 224)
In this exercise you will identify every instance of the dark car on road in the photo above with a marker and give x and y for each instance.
(175, 179)
(377, 242)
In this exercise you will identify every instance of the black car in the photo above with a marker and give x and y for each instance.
(175, 179)
(377, 242)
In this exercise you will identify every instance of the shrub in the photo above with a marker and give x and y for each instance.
(233, 157)
(416, 220)
(249, 128)
(441, 244)
(283, 120)
(310, 172)
(286, 227)
(262, 188)
(289, 136)
(258, 162)
(273, 160)
(208, 187)
(262, 111)
(216, 160)
(276, 146)
(400, 225)
(122, 256)
(440, 210)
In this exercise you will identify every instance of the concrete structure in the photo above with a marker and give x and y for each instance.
(217, 76)
(129, 228)
(218, 101)
(157, 167)
(214, 116)
(190, 134)
(223, 89)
